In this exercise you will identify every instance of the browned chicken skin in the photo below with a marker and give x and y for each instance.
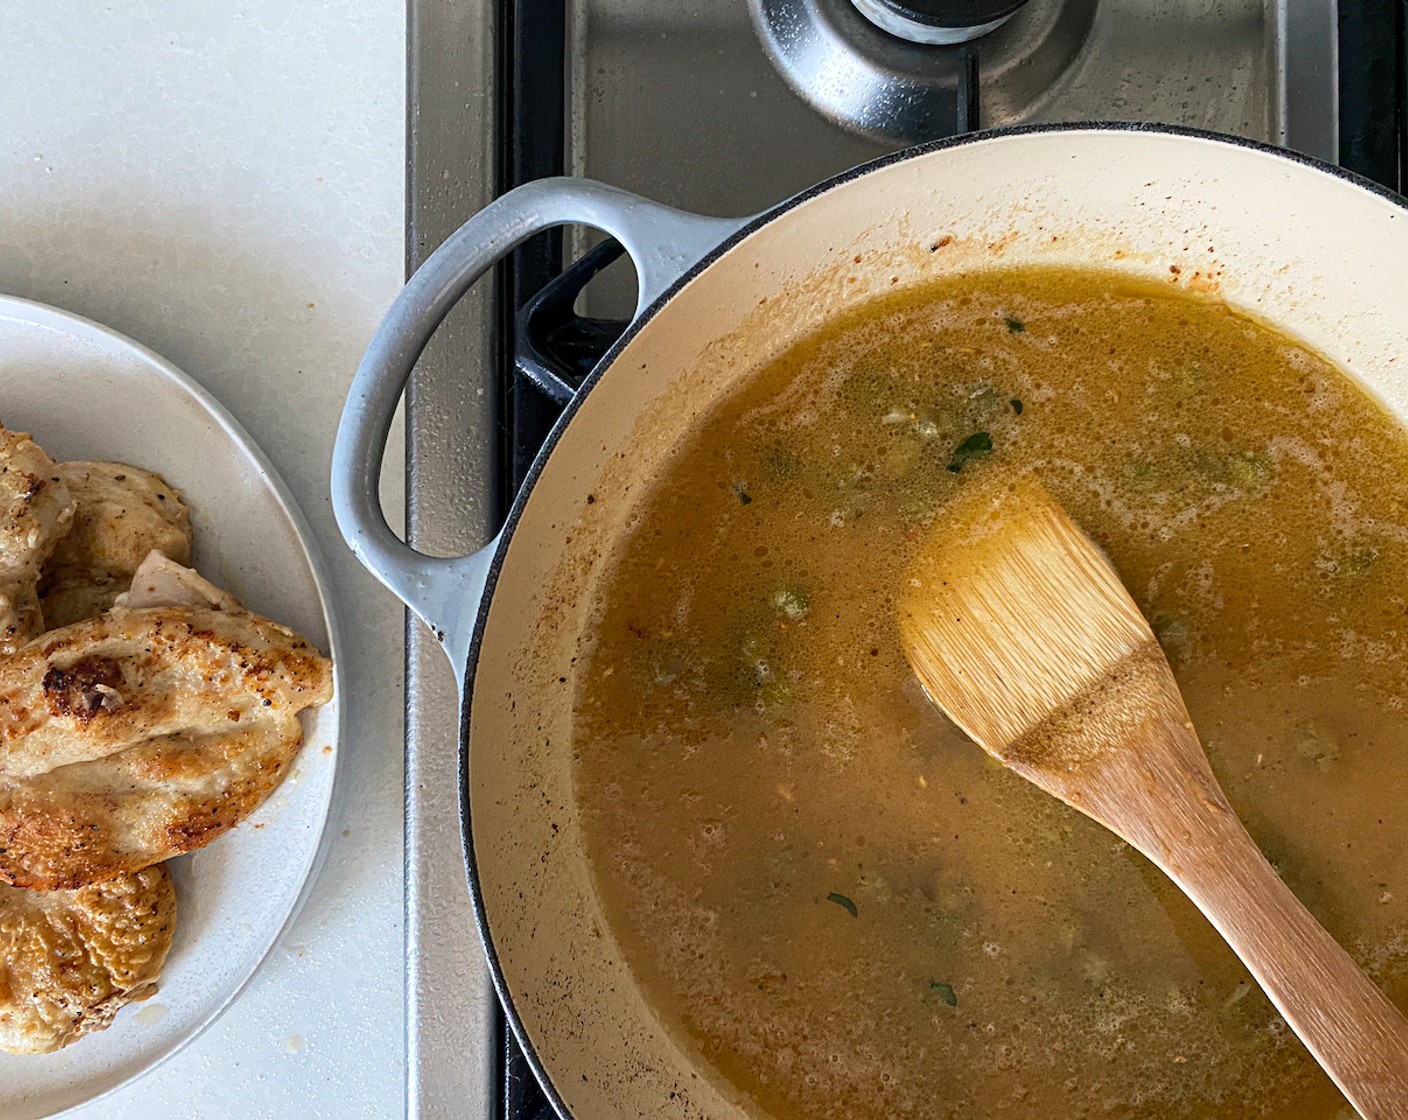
(36, 511)
(142, 734)
(70, 960)
(152, 715)
(123, 513)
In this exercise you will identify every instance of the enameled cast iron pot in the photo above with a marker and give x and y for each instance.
(1311, 249)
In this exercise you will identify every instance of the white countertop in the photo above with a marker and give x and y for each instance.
(223, 181)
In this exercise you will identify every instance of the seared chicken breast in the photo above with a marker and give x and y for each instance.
(153, 714)
(147, 732)
(123, 513)
(69, 960)
(36, 511)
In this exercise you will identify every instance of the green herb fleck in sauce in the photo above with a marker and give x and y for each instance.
(1356, 564)
(1017, 406)
(844, 902)
(1016, 326)
(946, 992)
(976, 446)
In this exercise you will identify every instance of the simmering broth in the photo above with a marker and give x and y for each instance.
(848, 909)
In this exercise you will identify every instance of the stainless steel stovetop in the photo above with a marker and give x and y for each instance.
(725, 107)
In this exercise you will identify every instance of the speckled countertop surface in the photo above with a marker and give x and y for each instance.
(223, 181)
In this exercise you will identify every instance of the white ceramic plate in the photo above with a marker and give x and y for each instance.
(86, 392)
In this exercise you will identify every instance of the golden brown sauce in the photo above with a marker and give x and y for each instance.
(848, 909)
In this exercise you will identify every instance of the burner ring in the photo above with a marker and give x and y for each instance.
(896, 92)
(938, 22)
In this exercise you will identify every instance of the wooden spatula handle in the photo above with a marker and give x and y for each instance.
(1344, 1020)
(1027, 639)
(1159, 793)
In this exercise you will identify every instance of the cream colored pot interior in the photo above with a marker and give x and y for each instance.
(1323, 259)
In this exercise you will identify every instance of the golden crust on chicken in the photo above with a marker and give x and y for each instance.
(123, 513)
(153, 714)
(69, 960)
(142, 734)
(36, 512)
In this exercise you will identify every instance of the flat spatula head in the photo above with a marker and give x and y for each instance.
(1011, 613)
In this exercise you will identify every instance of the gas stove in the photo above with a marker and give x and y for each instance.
(727, 107)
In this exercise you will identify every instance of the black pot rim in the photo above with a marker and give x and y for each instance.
(520, 500)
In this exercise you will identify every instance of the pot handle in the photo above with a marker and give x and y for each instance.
(445, 592)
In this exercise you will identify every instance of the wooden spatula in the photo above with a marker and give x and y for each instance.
(1020, 630)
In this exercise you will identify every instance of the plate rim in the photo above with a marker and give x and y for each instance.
(36, 313)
